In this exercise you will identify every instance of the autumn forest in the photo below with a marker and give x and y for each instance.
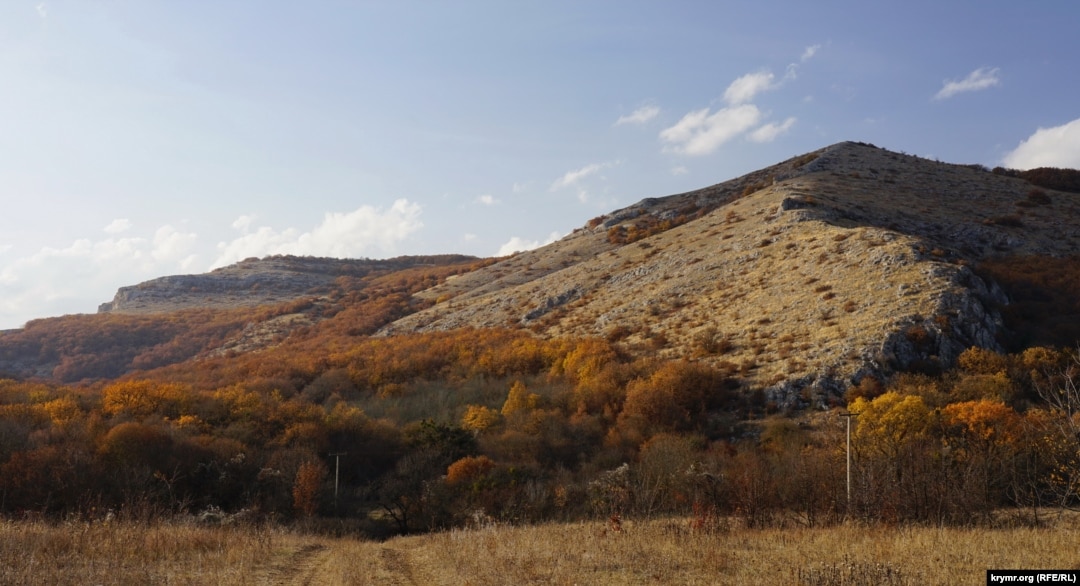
(418, 432)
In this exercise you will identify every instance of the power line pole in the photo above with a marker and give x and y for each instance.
(337, 469)
(848, 416)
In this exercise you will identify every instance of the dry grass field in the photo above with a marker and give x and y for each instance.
(652, 552)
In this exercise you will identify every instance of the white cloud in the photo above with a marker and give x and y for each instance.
(769, 132)
(572, 177)
(118, 225)
(680, 170)
(639, 116)
(42, 10)
(486, 199)
(350, 234)
(519, 244)
(469, 237)
(243, 223)
(809, 53)
(74, 279)
(744, 89)
(701, 132)
(980, 79)
(172, 246)
(576, 176)
(1048, 147)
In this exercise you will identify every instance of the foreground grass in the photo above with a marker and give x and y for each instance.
(654, 552)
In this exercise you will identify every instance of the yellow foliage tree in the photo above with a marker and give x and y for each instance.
(890, 422)
(142, 398)
(986, 421)
(478, 418)
(519, 400)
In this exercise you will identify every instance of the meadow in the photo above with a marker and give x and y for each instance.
(660, 551)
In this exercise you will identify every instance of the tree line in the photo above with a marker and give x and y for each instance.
(432, 430)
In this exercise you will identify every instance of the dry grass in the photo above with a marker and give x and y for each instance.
(653, 552)
(34, 552)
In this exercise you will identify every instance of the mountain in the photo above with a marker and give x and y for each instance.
(254, 282)
(803, 277)
(800, 279)
(249, 306)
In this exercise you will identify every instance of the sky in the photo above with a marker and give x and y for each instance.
(144, 138)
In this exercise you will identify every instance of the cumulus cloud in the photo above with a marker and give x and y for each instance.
(75, 278)
(519, 244)
(1048, 147)
(702, 132)
(118, 225)
(769, 132)
(173, 246)
(243, 223)
(349, 234)
(743, 89)
(639, 116)
(978, 80)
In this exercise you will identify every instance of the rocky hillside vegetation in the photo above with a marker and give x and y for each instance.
(803, 277)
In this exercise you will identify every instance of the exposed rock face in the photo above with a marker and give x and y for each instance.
(847, 262)
(252, 282)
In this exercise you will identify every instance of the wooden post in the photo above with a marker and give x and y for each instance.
(848, 416)
(337, 469)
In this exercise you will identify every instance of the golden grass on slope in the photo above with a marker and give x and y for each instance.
(651, 552)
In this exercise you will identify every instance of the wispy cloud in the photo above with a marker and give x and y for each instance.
(486, 199)
(350, 234)
(574, 177)
(42, 10)
(978, 80)
(679, 170)
(702, 132)
(744, 89)
(639, 116)
(769, 132)
(1048, 147)
(519, 244)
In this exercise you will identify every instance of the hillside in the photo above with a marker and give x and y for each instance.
(847, 261)
(657, 361)
(801, 279)
(250, 306)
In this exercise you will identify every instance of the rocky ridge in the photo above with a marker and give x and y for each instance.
(802, 278)
(253, 282)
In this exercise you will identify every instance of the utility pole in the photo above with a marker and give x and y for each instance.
(337, 469)
(848, 416)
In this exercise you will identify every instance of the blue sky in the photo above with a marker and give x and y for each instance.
(146, 138)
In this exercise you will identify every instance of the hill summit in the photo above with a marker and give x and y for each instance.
(803, 277)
